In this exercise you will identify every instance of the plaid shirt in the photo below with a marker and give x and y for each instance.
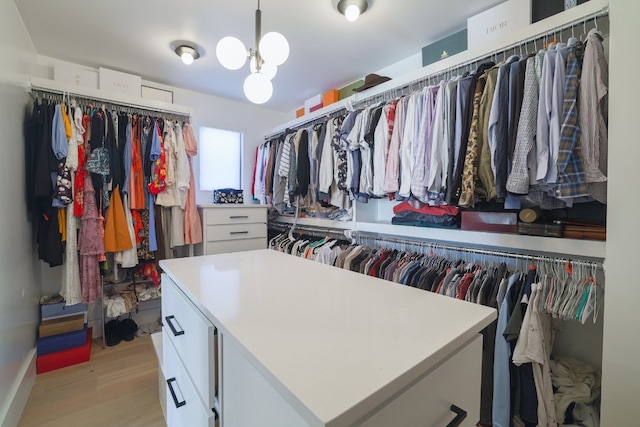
(571, 177)
(518, 182)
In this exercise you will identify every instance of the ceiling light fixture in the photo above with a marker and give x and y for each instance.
(271, 50)
(352, 9)
(187, 53)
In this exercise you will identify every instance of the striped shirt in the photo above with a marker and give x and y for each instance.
(593, 106)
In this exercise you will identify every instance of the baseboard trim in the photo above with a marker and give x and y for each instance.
(20, 392)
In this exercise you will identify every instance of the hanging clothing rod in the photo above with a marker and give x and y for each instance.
(111, 105)
(36, 88)
(317, 231)
(398, 91)
(359, 236)
(336, 113)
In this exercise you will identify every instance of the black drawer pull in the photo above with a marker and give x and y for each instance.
(173, 393)
(238, 232)
(238, 216)
(461, 414)
(215, 413)
(173, 328)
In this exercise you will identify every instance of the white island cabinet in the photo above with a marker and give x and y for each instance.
(265, 339)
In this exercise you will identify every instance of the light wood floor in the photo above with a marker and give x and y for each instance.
(117, 387)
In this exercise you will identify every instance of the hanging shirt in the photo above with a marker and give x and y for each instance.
(501, 376)
(158, 158)
(470, 170)
(422, 143)
(169, 196)
(450, 96)
(136, 187)
(571, 178)
(380, 149)
(182, 168)
(126, 158)
(78, 195)
(302, 140)
(257, 189)
(593, 115)
(499, 126)
(407, 159)
(59, 140)
(523, 172)
(314, 163)
(557, 99)
(366, 152)
(325, 175)
(353, 153)
(485, 169)
(192, 224)
(545, 106)
(439, 148)
(278, 182)
(392, 168)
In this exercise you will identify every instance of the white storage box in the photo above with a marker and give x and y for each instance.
(115, 81)
(498, 21)
(75, 76)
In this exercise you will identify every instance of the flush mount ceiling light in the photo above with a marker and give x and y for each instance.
(271, 50)
(187, 53)
(352, 9)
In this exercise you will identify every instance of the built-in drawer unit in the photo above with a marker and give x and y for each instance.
(184, 407)
(194, 339)
(229, 228)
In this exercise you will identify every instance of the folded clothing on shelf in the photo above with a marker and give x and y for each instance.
(425, 220)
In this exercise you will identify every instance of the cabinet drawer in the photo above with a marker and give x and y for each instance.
(428, 402)
(214, 233)
(194, 339)
(184, 408)
(226, 246)
(214, 216)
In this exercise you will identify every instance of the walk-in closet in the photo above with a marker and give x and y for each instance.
(345, 213)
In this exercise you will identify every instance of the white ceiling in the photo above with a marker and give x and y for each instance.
(326, 51)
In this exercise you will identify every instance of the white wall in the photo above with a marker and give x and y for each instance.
(621, 355)
(19, 286)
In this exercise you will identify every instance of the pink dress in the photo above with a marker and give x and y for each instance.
(90, 245)
(192, 225)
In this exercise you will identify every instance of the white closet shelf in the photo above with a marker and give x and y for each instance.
(518, 242)
(101, 95)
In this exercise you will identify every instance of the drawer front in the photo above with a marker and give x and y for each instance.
(193, 337)
(239, 215)
(184, 408)
(223, 247)
(214, 233)
(428, 402)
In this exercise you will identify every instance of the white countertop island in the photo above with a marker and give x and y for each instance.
(335, 345)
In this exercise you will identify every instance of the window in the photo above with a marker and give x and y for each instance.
(220, 154)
